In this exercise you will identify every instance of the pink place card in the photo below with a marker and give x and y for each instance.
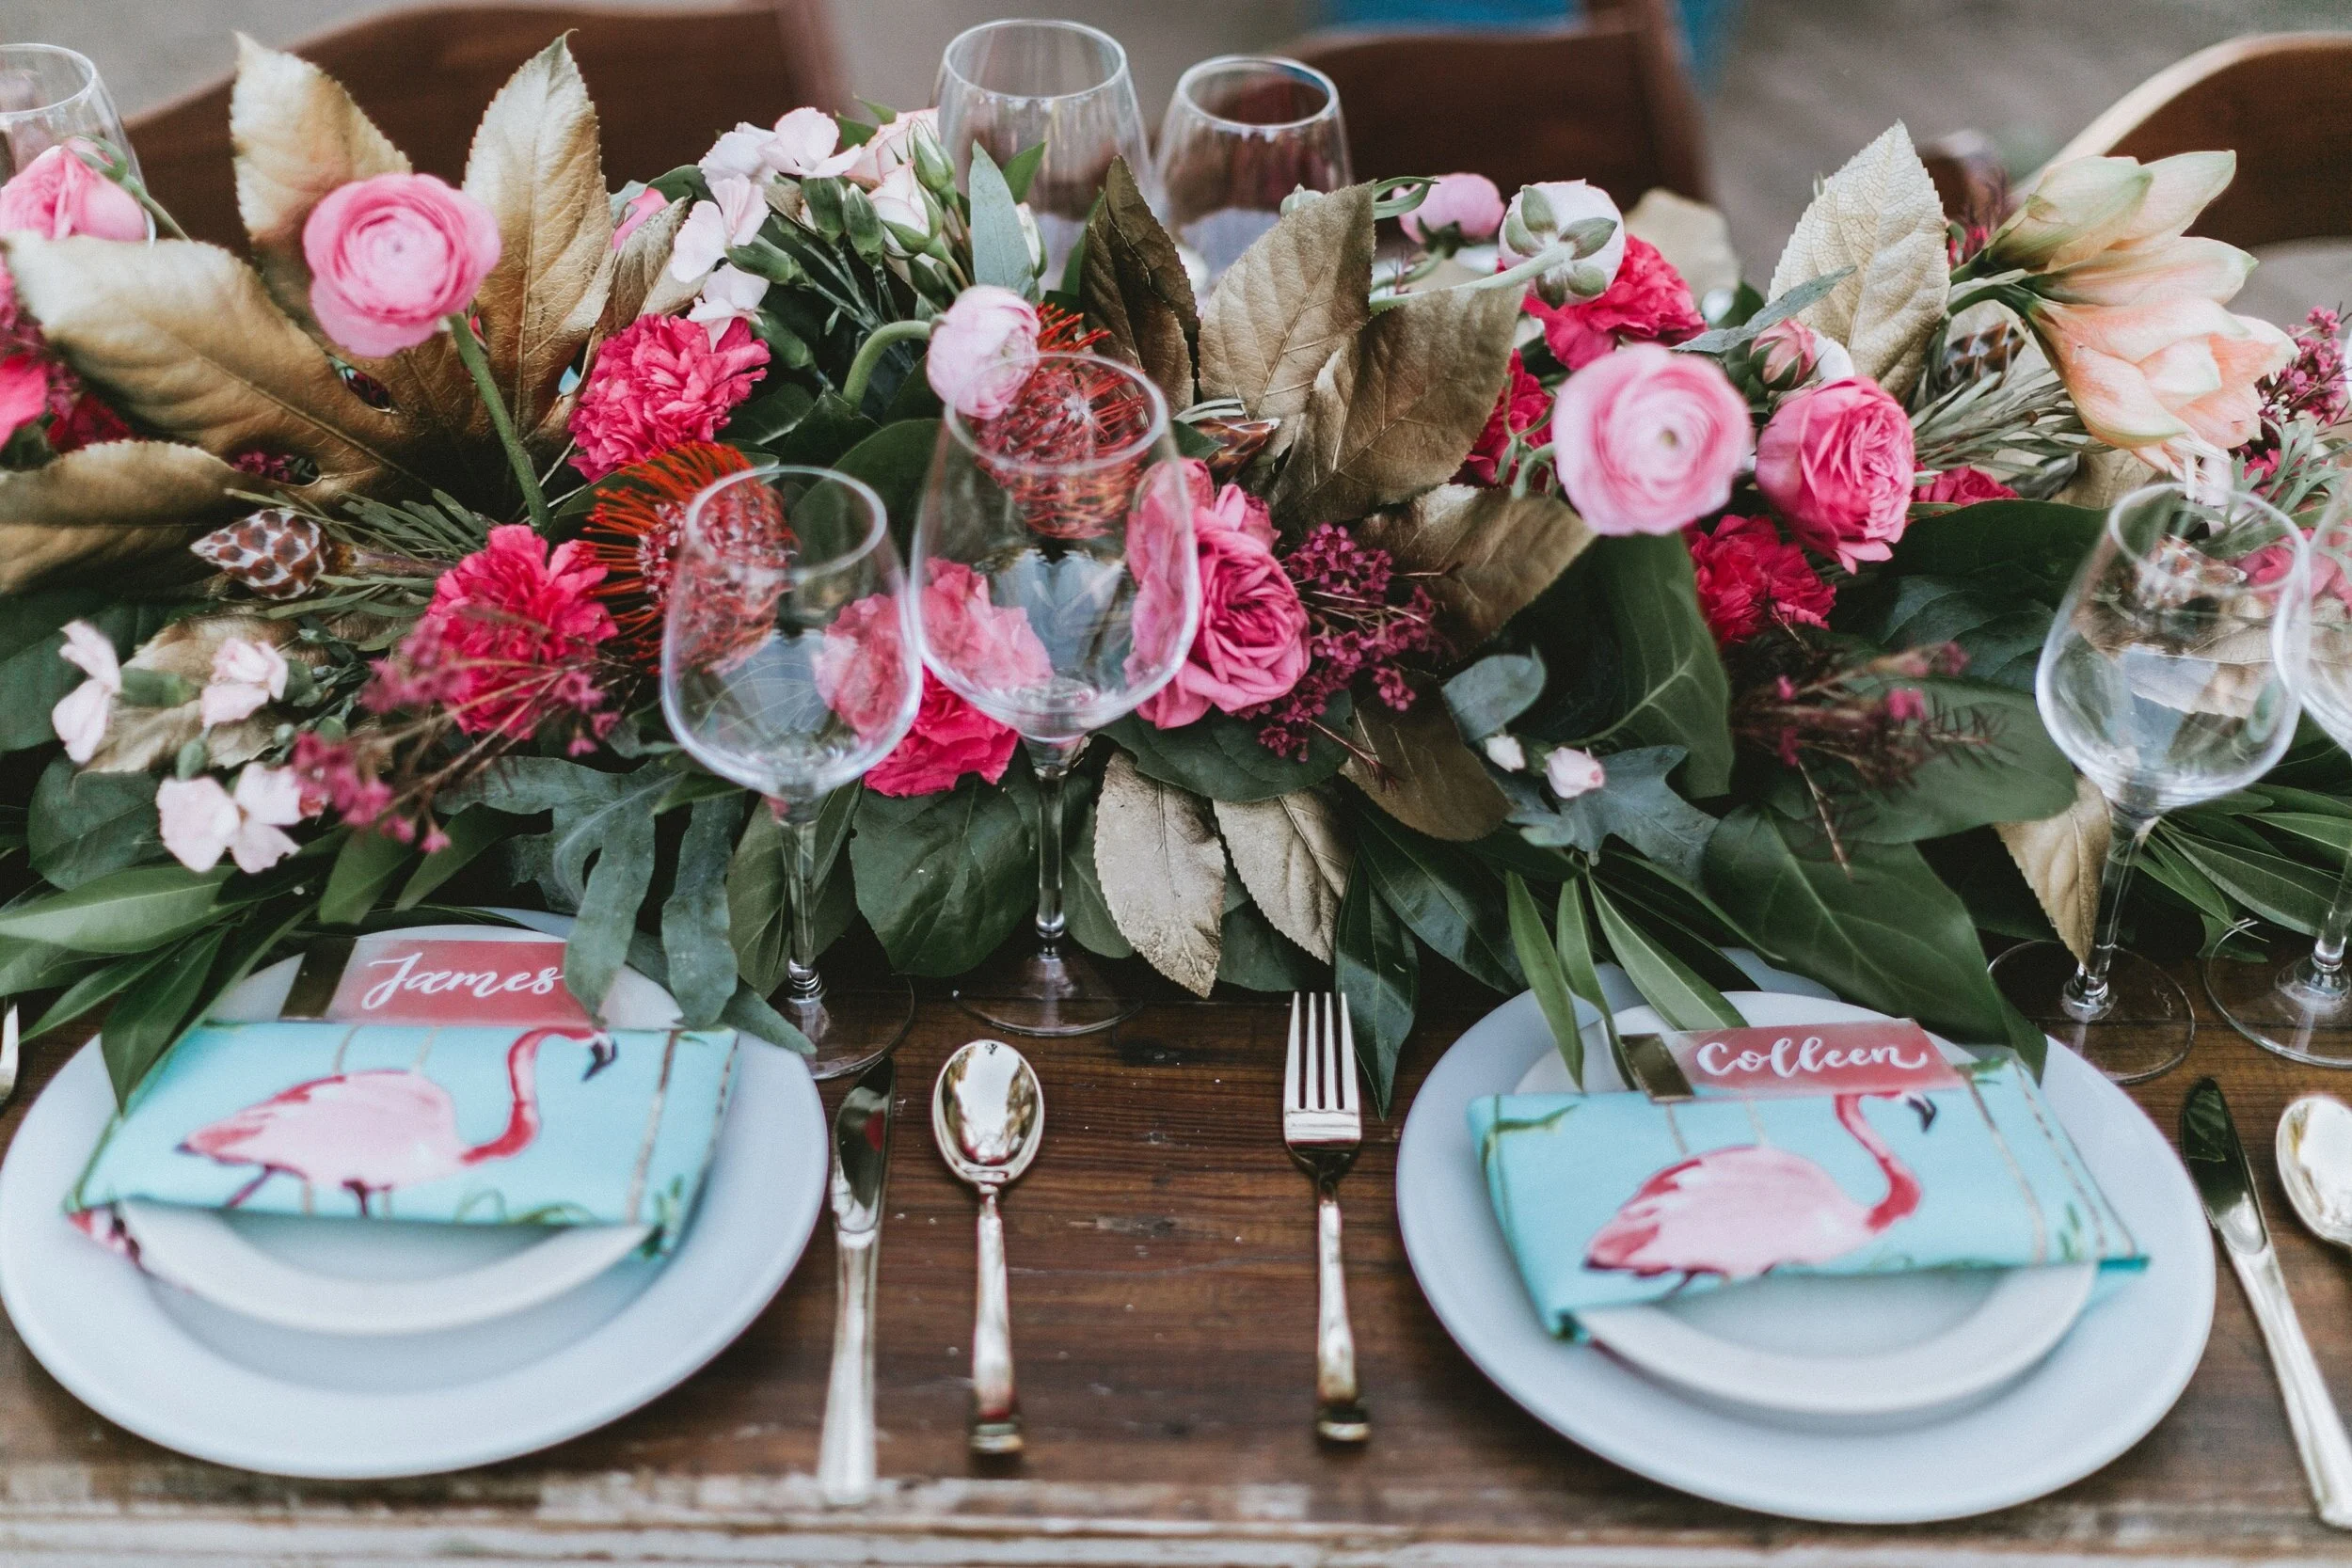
(390, 979)
(1876, 1058)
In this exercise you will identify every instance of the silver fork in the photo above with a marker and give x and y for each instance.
(1323, 1125)
(7, 1055)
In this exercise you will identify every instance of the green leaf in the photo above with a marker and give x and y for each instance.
(759, 914)
(1546, 977)
(1451, 901)
(609, 902)
(1576, 960)
(1486, 697)
(694, 934)
(1725, 338)
(770, 417)
(942, 879)
(33, 679)
(2000, 632)
(2272, 886)
(1136, 287)
(896, 460)
(1220, 756)
(688, 788)
(1674, 990)
(250, 941)
(2329, 832)
(1377, 970)
(84, 824)
(364, 871)
(124, 912)
(149, 1013)
(745, 1010)
(829, 429)
(2028, 545)
(1021, 168)
(1000, 252)
(94, 988)
(470, 833)
(1671, 690)
(1251, 954)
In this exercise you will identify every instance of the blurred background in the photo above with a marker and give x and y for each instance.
(1787, 89)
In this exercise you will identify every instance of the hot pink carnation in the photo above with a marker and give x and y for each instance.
(658, 382)
(1748, 576)
(58, 193)
(24, 392)
(1646, 439)
(951, 739)
(1520, 408)
(1836, 461)
(1252, 644)
(1646, 302)
(509, 633)
(390, 256)
(1962, 487)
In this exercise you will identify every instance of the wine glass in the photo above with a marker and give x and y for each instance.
(788, 666)
(1054, 552)
(2165, 679)
(1242, 133)
(1011, 85)
(2299, 1004)
(48, 96)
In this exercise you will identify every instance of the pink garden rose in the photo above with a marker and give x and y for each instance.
(987, 645)
(1836, 462)
(1646, 439)
(1646, 302)
(658, 382)
(982, 349)
(1252, 644)
(1469, 204)
(390, 256)
(861, 671)
(951, 739)
(58, 193)
(1749, 577)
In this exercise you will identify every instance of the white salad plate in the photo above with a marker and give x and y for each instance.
(2108, 1379)
(1898, 1348)
(222, 1385)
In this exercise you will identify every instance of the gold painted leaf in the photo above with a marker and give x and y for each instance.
(184, 340)
(126, 510)
(1393, 412)
(1292, 856)
(535, 166)
(1295, 296)
(1880, 215)
(1136, 287)
(1162, 868)
(642, 284)
(1693, 236)
(1493, 552)
(1428, 779)
(2062, 858)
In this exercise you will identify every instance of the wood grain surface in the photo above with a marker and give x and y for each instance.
(1163, 1285)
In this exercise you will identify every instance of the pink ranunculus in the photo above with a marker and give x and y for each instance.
(1646, 302)
(645, 204)
(24, 392)
(1836, 462)
(1646, 439)
(982, 349)
(658, 382)
(1520, 408)
(861, 668)
(1252, 644)
(990, 646)
(58, 193)
(1749, 577)
(1961, 487)
(390, 256)
(1469, 204)
(951, 739)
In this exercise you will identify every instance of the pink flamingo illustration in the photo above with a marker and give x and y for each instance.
(1737, 1212)
(371, 1131)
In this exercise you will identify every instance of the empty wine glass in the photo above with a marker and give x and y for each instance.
(1054, 551)
(2300, 1004)
(788, 665)
(1011, 85)
(2165, 678)
(1242, 133)
(49, 96)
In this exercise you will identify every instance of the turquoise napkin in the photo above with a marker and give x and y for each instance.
(1612, 1199)
(570, 1125)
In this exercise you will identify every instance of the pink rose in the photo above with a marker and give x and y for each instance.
(645, 204)
(58, 193)
(1646, 302)
(861, 670)
(989, 646)
(1961, 487)
(1646, 439)
(390, 256)
(1252, 644)
(1466, 203)
(1747, 577)
(951, 739)
(982, 349)
(1836, 462)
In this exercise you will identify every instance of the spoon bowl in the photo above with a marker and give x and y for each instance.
(988, 1113)
(2315, 1164)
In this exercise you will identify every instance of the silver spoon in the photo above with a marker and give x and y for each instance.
(2315, 1164)
(987, 1117)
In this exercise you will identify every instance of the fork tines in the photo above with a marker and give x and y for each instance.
(1321, 1099)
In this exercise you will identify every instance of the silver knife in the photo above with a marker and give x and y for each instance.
(2217, 1161)
(861, 1141)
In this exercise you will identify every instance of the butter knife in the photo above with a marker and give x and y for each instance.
(861, 1141)
(2217, 1161)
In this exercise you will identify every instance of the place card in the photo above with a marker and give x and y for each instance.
(390, 977)
(1880, 1056)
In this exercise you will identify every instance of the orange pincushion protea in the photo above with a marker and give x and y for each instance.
(1066, 414)
(634, 534)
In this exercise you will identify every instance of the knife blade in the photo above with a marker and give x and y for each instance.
(861, 1168)
(2217, 1162)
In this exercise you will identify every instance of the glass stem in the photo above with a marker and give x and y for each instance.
(2087, 995)
(2328, 951)
(801, 983)
(1052, 759)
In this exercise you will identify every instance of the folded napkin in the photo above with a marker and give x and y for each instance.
(1613, 1199)
(566, 1124)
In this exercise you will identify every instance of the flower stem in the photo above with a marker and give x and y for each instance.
(1550, 255)
(478, 365)
(869, 355)
(101, 155)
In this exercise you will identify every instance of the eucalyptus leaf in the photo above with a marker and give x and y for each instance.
(1487, 696)
(1634, 804)
(1000, 252)
(1790, 302)
(1377, 970)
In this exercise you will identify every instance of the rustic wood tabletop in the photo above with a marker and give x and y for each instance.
(1164, 1293)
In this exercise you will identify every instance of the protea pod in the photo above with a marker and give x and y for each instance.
(278, 553)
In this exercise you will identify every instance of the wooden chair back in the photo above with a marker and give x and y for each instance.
(2283, 101)
(1606, 101)
(665, 83)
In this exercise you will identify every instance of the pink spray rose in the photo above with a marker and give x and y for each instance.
(982, 349)
(390, 256)
(1646, 439)
(659, 381)
(1252, 646)
(1646, 302)
(1469, 204)
(861, 670)
(951, 739)
(1836, 461)
(987, 645)
(58, 193)
(1748, 577)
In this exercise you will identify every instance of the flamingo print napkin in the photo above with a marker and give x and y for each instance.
(1612, 1199)
(566, 1124)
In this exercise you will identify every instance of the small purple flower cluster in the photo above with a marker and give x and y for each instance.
(2314, 382)
(1364, 617)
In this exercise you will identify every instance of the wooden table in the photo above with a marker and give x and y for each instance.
(1164, 1297)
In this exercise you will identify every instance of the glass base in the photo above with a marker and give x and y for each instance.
(2144, 1029)
(1048, 989)
(851, 1028)
(2283, 1004)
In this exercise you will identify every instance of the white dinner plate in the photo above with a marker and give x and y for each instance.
(2104, 1384)
(218, 1385)
(1887, 1350)
(332, 1276)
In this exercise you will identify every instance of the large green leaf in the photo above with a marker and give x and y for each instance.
(2272, 886)
(2028, 545)
(149, 1014)
(1000, 252)
(1377, 970)
(1671, 690)
(1424, 776)
(470, 833)
(1251, 954)
(942, 879)
(1674, 992)
(1449, 898)
(1546, 977)
(624, 847)
(2000, 631)
(365, 870)
(694, 934)
(895, 460)
(84, 824)
(1221, 757)
(124, 912)
(760, 913)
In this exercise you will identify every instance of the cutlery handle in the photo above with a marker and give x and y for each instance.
(2320, 1435)
(845, 1452)
(996, 1408)
(1340, 1414)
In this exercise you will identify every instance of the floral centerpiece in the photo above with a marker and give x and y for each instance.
(334, 579)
